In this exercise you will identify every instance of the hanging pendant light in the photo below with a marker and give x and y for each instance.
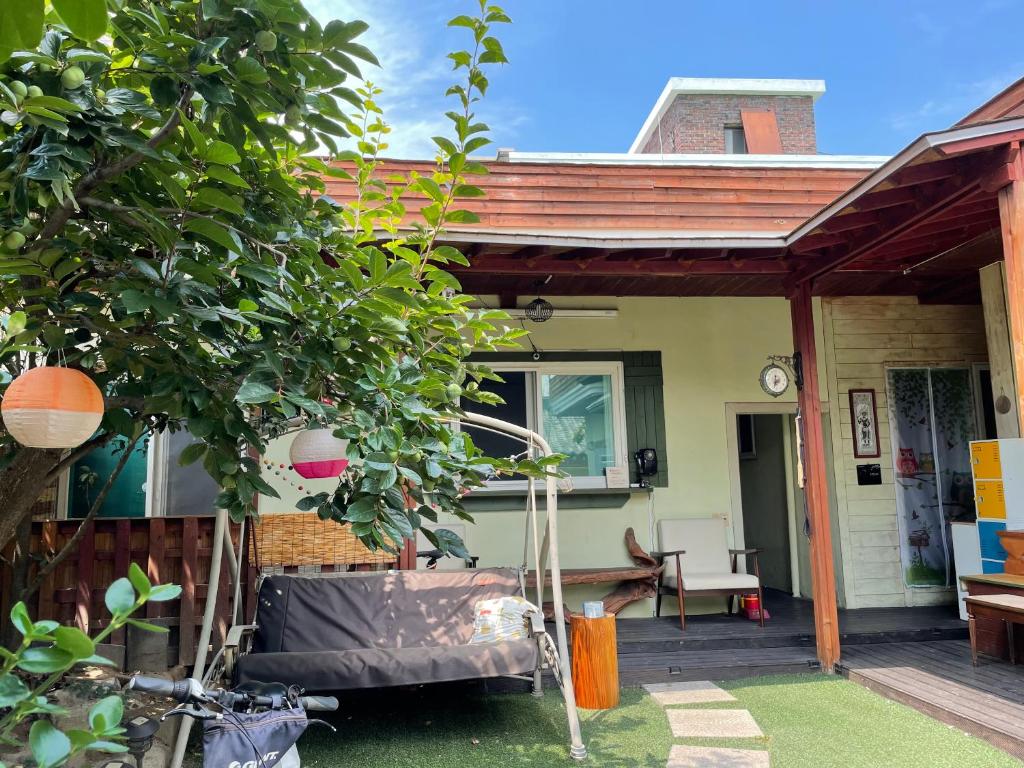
(318, 453)
(52, 407)
(539, 310)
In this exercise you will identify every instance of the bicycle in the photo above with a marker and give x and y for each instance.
(253, 726)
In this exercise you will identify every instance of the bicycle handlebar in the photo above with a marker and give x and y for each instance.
(189, 691)
(318, 703)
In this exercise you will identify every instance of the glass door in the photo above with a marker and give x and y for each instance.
(931, 416)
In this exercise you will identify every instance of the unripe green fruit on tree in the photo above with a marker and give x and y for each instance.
(266, 40)
(454, 391)
(13, 240)
(72, 78)
(19, 89)
(101, 94)
(34, 91)
(293, 115)
(43, 198)
(341, 344)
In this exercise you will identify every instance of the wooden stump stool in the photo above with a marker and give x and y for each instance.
(595, 663)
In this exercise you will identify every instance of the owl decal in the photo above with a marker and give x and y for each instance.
(961, 493)
(906, 464)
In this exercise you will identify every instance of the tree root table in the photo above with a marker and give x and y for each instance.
(595, 662)
(635, 582)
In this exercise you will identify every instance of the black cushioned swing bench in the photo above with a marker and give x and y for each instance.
(343, 632)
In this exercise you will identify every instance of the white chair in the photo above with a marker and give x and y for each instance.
(428, 558)
(702, 564)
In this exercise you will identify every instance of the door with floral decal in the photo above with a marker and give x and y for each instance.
(931, 417)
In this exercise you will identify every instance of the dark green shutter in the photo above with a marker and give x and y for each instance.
(644, 398)
(645, 410)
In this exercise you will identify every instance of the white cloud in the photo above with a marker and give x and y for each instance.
(409, 40)
(958, 100)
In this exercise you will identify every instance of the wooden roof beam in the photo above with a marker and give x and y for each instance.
(630, 268)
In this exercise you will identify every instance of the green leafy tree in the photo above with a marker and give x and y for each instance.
(45, 653)
(164, 231)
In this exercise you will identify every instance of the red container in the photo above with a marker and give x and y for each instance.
(751, 606)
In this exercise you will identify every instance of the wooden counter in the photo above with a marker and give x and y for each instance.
(991, 633)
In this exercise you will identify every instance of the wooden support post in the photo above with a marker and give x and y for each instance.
(826, 620)
(1011, 218)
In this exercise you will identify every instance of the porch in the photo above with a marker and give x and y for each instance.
(721, 647)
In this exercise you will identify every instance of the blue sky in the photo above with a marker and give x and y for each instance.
(584, 74)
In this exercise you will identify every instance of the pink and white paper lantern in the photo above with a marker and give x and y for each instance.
(316, 453)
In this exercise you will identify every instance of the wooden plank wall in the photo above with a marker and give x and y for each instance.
(170, 550)
(864, 336)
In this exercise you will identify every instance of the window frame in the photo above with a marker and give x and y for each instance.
(535, 415)
(728, 130)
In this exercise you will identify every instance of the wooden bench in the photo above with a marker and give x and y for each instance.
(1006, 608)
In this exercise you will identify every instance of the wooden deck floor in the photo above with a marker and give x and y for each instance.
(938, 679)
(719, 646)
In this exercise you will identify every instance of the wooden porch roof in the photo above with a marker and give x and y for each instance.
(921, 224)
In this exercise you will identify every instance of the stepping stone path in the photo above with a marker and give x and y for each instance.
(707, 723)
(711, 757)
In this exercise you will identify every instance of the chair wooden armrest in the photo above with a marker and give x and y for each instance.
(668, 553)
(754, 552)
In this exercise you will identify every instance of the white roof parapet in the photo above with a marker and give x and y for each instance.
(746, 86)
(855, 162)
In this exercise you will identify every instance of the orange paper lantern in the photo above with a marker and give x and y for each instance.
(52, 408)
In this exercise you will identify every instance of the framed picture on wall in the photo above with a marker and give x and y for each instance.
(864, 416)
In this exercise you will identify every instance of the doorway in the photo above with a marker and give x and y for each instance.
(768, 509)
(764, 494)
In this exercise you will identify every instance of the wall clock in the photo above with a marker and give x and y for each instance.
(774, 379)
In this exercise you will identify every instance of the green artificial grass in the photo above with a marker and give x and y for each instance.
(809, 721)
(820, 721)
(452, 727)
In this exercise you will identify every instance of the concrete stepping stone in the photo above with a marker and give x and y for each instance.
(695, 692)
(713, 757)
(712, 723)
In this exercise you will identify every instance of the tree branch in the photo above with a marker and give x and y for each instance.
(60, 216)
(72, 544)
(78, 453)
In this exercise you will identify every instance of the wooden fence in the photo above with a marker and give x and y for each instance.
(176, 550)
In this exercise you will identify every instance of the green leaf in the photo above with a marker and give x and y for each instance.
(213, 231)
(120, 597)
(49, 746)
(106, 714)
(220, 173)
(21, 25)
(254, 392)
(21, 620)
(12, 690)
(222, 153)
(44, 661)
(215, 198)
(16, 323)
(164, 592)
(74, 641)
(138, 578)
(85, 54)
(86, 19)
(248, 70)
(192, 453)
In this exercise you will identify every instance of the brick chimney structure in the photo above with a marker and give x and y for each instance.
(732, 116)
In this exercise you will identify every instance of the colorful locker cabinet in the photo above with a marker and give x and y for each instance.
(998, 470)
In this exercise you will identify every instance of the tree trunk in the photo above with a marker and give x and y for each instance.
(21, 484)
(20, 560)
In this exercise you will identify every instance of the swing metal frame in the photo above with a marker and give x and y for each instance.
(540, 545)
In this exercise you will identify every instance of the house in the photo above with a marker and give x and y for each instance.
(720, 243)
